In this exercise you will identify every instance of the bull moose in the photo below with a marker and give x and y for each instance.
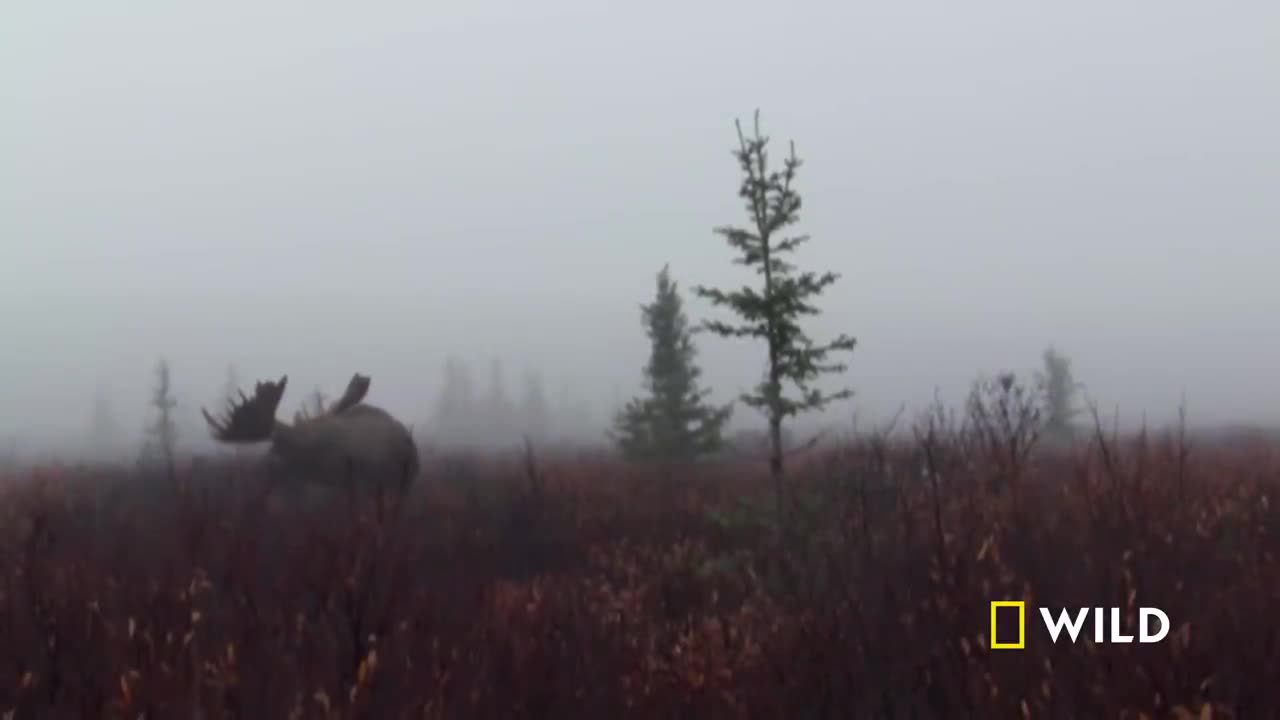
(349, 444)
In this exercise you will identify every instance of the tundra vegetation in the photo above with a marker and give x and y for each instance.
(574, 585)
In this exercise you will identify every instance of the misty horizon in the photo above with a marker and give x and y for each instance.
(375, 191)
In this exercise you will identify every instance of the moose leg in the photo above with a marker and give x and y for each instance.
(401, 489)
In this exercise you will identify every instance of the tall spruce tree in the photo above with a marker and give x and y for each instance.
(671, 422)
(772, 311)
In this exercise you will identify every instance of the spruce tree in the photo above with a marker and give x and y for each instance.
(535, 412)
(1059, 388)
(230, 392)
(671, 422)
(313, 406)
(455, 412)
(773, 310)
(499, 412)
(164, 432)
(231, 385)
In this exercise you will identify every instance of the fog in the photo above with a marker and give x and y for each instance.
(318, 191)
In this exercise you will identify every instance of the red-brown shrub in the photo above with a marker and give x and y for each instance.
(603, 590)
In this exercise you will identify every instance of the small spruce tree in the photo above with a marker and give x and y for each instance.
(498, 410)
(164, 432)
(671, 422)
(1059, 388)
(230, 390)
(231, 384)
(535, 411)
(455, 410)
(772, 311)
(313, 406)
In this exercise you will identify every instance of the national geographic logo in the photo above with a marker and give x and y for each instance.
(1074, 623)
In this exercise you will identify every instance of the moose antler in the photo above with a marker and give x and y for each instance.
(251, 419)
(356, 390)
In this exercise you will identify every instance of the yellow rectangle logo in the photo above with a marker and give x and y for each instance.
(1022, 625)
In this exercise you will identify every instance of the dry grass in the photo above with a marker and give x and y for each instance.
(600, 590)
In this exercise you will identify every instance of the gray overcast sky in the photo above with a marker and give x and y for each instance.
(321, 189)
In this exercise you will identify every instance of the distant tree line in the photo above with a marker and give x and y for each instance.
(466, 415)
(674, 419)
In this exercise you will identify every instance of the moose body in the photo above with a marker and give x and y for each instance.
(362, 443)
(350, 446)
